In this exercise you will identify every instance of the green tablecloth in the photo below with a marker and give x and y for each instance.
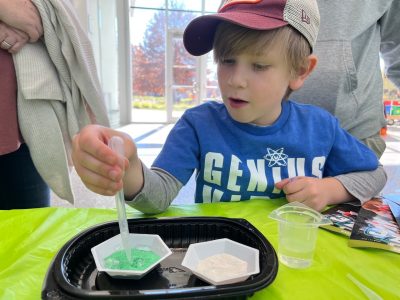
(30, 238)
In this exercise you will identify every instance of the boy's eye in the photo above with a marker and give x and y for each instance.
(259, 67)
(228, 61)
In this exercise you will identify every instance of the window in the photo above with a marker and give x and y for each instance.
(146, 74)
(166, 79)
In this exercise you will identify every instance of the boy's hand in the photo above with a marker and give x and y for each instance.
(23, 15)
(100, 168)
(314, 192)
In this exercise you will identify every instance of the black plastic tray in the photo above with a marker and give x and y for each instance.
(73, 274)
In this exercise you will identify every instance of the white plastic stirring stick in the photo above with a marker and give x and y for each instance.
(117, 144)
(371, 295)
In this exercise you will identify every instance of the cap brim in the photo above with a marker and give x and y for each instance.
(198, 37)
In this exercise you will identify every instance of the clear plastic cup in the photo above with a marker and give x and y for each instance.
(298, 229)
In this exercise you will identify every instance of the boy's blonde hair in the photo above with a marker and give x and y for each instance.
(231, 39)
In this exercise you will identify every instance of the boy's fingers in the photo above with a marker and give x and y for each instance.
(101, 190)
(294, 185)
(286, 184)
(98, 183)
(93, 140)
(297, 196)
(111, 172)
(282, 183)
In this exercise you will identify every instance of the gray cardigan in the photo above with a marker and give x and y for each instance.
(347, 80)
(58, 92)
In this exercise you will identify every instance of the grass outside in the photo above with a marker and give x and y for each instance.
(159, 103)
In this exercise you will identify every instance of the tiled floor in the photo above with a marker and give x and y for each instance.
(150, 138)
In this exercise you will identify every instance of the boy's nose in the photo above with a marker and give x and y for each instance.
(237, 78)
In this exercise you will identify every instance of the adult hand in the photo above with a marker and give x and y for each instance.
(23, 15)
(100, 168)
(12, 39)
(314, 192)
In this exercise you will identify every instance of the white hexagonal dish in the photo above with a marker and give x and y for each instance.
(222, 261)
(151, 242)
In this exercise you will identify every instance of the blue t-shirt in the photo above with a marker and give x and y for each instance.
(236, 161)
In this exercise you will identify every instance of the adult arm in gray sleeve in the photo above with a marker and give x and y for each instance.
(390, 42)
(364, 185)
(159, 189)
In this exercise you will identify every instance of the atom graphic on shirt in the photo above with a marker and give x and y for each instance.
(276, 157)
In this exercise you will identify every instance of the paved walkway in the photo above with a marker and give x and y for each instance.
(391, 160)
(151, 137)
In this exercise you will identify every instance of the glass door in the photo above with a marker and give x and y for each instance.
(183, 77)
(166, 79)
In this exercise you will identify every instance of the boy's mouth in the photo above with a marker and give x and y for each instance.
(237, 103)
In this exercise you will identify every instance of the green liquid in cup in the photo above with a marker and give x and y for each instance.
(141, 260)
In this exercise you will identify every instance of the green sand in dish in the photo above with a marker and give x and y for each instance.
(141, 260)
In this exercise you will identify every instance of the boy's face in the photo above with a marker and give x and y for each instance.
(252, 86)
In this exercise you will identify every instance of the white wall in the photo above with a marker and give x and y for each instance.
(101, 20)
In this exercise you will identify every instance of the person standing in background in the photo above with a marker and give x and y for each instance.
(46, 100)
(21, 186)
(347, 82)
(348, 79)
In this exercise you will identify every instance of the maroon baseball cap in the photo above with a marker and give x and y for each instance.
(303, 15)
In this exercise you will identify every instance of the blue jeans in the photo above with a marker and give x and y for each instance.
(21, 186)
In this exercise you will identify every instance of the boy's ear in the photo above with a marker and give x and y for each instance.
(298, 81)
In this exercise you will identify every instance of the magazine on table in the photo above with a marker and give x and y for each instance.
(376, 227)
(394, 203)
(371, 225)
(343, 217)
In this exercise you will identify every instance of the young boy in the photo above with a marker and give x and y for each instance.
(256, 144)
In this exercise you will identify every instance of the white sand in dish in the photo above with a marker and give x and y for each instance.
(221, 267)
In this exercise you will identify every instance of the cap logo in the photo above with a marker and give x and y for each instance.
(232, 2)
(304, 17)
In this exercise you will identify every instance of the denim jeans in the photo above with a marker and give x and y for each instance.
(21, 186)
(376, 143)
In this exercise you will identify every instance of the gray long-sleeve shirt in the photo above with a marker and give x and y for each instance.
(160, 188)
